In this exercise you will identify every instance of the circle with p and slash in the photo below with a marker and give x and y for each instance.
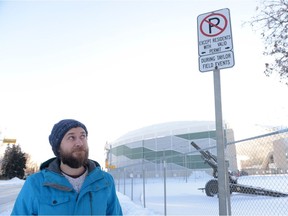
(213, 25)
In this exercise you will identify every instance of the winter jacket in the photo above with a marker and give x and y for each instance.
(48, 192)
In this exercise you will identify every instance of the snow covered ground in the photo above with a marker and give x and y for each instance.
(186, 198)
(183, 198)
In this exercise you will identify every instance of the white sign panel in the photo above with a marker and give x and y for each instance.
(214, 32)
(221, 61)
(215, 40)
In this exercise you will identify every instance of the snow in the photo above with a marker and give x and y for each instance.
(185, 198)
(13, 181)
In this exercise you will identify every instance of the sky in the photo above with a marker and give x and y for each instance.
(118, 66)
(181, 198)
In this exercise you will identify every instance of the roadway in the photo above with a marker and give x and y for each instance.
(8, 194)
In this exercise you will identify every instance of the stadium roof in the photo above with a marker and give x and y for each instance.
(165, 129)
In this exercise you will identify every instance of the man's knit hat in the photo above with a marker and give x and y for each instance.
(60, 129)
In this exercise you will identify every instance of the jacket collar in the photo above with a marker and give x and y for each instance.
(54, 178)
(53, 164)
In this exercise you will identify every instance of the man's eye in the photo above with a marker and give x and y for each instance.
(83, 136)
(70, 138)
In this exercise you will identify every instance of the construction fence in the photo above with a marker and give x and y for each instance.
(258, 187)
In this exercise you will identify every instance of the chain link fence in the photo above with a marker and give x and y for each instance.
(258, 187)
(263, 163)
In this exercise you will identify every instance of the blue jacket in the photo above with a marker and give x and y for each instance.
(48, 192)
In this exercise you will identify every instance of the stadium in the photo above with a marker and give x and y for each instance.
(169, 145)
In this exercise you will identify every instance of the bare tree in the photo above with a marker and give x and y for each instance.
(271, 20)
(31, 166)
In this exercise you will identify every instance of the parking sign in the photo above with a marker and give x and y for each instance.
(215, 45)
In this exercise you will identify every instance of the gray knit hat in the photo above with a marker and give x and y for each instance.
(60, 129)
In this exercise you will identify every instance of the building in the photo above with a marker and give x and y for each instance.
(169, 145)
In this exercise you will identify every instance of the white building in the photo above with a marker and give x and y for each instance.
(150, 146)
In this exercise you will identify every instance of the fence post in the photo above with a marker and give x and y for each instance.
(186, 167)
(119, 177)
(144, 195)
(124, 179)
(165, 207)
(143, 175)
(132, 178)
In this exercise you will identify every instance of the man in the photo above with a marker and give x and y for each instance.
(70, 184)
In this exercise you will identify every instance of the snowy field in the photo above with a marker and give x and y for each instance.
(183, 198)
(186, 198)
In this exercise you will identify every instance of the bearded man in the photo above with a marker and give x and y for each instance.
(70, 183)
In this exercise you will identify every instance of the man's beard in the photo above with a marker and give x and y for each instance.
(75, 161)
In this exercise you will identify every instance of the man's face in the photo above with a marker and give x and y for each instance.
(74, 148)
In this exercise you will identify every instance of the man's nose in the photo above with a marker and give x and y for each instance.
(79, 142)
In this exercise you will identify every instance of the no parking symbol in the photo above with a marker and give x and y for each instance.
(213, 24)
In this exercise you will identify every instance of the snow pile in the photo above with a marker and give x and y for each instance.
(13, 181)
(130, 208)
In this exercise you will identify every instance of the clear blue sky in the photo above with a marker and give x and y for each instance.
(121, 65)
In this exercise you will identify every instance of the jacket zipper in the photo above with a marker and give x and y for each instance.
(77, 197)
(91, 205)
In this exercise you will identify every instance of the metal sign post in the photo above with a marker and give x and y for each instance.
(223, 183)
(215, 50)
